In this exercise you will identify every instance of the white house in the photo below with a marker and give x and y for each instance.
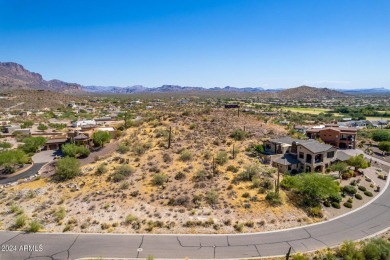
(84, 123)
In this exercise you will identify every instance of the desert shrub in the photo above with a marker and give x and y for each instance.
(212, 197)
(315, 212)
(381, 135)
(99, 138)
(20, 221)
(312, 188)
(197, 199)
(259, 148)
(267, 184)
(249, 224)
(130, 219)
(326, 203)
(335, 204)
(207, 155)
(349, 189)
(123, 148)
(245, 195)
(249, 172)
(101, 169)
(116, 177)
(362, 188)
(67, 228)
(221, 158)
(13, 157)
(73, 150)
(377, 248)
(186, 113)
(104, 226)
(185, 155)
(200, 175)
(33, 144)
(346, 175)
(232, 168)
(60, 214)
(238, 135)
(368, 193)
(138, 149)
(335, 198)
(180, 176)
(166, 158)
(227, 222)
(300, 256)
(348, 250)
(239, 227)
(274, 199)
(347, 204)
(159, 179)
(34, 226)
(181, 201)
(358, 196)
(16, 209)
(256, 182)
(5, 145)
(193, 126)
(125, 170)
(67, 168)
(125, 185)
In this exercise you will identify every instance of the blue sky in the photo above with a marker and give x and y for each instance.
(242, 43)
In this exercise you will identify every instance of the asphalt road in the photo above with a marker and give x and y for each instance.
(362, 223)
(33, 170)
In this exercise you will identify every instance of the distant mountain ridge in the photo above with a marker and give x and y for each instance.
(163, 88)
(309, 92)
(15, 76)
(366, 91)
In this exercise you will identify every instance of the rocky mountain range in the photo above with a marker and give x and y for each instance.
(163, 89)
(15, 76)
(308, 92)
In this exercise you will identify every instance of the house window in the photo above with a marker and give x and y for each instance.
(330, 154)
(289, 168)
(301, 155)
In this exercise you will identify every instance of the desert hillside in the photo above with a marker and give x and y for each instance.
(194, 186)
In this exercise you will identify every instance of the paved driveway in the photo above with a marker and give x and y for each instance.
(39, 159)
(33, 170)
(45, 156)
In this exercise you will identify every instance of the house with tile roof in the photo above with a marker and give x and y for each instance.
(294, 155)
(341, 137)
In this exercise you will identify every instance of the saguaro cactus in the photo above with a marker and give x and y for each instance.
(169, 137)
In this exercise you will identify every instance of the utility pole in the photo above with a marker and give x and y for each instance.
(234, 153)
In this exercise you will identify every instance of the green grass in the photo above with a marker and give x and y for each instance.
(306, 110)
(377, 118)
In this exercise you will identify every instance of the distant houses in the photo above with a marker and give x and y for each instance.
(229, 106)
(84, 123)
(340, 137)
